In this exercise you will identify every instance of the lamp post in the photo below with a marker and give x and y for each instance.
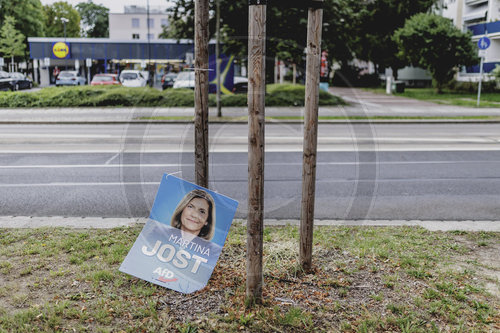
(64, 21)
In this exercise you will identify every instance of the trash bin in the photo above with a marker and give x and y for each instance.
(398, 87)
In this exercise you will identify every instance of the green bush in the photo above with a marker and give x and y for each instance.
(276, 95)
(471, 87)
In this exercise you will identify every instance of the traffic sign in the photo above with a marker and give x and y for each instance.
(482, 53)
(483, 43)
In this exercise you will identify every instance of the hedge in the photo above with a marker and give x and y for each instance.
(113, 96)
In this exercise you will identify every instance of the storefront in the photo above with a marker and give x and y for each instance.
(101, 55)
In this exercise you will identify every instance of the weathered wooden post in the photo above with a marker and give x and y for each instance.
(315, 21)
(217, 57)
(201, 91)
(256, 122)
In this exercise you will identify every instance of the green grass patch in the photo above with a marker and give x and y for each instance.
(115, 96)
(449, 97)
(364, 279)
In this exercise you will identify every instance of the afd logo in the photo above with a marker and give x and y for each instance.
(60, 50)
(165, 275)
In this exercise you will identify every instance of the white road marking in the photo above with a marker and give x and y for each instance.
(112, 158)
(374, 180)
(170, 165)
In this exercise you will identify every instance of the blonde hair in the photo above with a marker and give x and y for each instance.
(207, 232)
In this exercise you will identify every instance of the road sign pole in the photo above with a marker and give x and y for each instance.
(480, 81)
(483, 43)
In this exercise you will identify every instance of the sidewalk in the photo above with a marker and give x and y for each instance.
(361, 104)
(107, 223)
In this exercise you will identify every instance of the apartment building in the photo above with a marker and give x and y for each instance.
(482, 18)
(136, 24)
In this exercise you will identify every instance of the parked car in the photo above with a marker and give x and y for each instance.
(148, 78)
(105, 80)
(184, 80)
(240, 84)
(20, 81)
(70, 78)
(132, 78)
(5, 81)
(167, 80)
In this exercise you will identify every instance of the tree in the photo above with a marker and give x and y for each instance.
(95, 22)
(28, 15)
(379, 20)
(286, 27)
(11, 40)
(433, 42)
(55, 26)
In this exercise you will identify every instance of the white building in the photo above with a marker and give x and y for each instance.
(133, 23)
(482, 17)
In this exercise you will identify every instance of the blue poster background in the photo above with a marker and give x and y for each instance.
(162, 256)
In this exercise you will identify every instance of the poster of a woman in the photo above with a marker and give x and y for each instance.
(180, 244)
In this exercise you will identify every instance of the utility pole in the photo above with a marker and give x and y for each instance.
(314, 24)
(256, 122)
(149, 46)
(217, 57)
(64, 21)
(201, 91)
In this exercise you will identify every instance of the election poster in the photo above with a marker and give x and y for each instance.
(180, 244)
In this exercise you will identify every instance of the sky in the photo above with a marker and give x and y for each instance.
(115, 6)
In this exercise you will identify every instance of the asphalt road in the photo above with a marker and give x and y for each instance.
(400, 171)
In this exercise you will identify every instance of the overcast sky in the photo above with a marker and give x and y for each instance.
(115, 6)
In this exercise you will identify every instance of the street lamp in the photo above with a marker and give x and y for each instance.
(64, 21)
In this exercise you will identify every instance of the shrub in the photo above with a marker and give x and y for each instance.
(277, 95)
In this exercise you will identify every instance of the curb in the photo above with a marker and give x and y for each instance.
(25, 222)
(269, 121)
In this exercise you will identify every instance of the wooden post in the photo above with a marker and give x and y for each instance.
(201, 91)
(217, 57)
(256, 107)
(315, 18)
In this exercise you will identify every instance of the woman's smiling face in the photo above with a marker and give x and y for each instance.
(194, 216)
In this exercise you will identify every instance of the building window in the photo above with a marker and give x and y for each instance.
(164, 22)
(135, 23)
(135, 36)
(151, 36)
(151, 23)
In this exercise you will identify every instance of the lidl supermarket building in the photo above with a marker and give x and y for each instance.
(103, 55)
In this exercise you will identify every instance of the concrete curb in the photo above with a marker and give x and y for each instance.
(271, 121)
(23, 222)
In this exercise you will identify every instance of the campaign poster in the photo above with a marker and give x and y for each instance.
(180, 244)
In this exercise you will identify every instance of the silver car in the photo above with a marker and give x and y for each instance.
(70, 78)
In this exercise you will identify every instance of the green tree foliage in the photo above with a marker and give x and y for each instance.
(11, 40)
(379, 20)
(286, 27)
(28, 15)
(434, 43)
(55, 27)
(95, 22)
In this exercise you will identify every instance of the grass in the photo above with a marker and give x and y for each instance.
(364, 279)
(448, 97)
